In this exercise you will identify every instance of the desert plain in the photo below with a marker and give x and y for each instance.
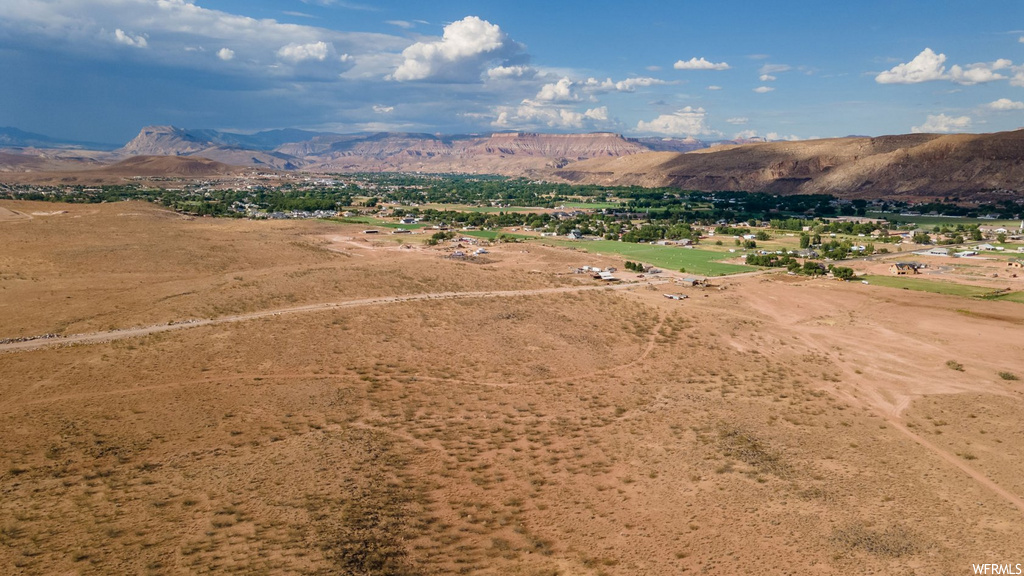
(297, 397)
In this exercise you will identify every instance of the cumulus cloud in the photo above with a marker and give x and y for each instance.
(225, 54)
(296, 53)
(978, 73)
(929, 66)
(461, 55)
(767, 78)
(178, 33)
(925, 67)
(763, 89)
(533, 114)
(383, 109)
(699, 64)
(560, 91)
(943, 123)
(138, 41)
(503, 72)
(1005, 104)
(628, 85)
(688, 121)
(738, 120)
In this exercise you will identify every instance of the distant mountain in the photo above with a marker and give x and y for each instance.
(11, 137)
(980, 166)
(213, 145)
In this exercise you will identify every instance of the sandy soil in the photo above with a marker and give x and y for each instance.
(341, 416)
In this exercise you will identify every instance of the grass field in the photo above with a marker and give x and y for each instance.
(492, 234)
(382, 223)
(932, 286)
(701, 262)
(1010, 297)
(591, 205)
(929, 221)
(484, 209)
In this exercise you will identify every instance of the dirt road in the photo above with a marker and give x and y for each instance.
(94, 337)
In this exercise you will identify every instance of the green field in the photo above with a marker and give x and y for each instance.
(381, 223)
(591, 205)
(930, 221)
(484, 209)
(492, 234)
(1017, 297)
(702, 262)
(934, 286)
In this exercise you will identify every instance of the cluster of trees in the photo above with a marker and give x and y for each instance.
(634, 266)
(807, 267)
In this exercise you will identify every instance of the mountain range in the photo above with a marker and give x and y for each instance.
(911, 166)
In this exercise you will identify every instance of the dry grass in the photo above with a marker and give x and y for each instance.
(593, 432)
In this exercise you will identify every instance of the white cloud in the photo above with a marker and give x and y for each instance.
(774, 68)
(631, 84)
(745, 135)
(503, 72)
(1021, 39)
(296, 53)
(653, 68)
(699, 64)
(777, 136)
(929, 66)
(461, 55)
(181, 34)
(1018, 76)
(943, 123)
(532, 114)
(1005, 104)
(401, 24)
(713, 87)
(767, 78)
(225, 54)
(763, 89)
(738, 120)
(123, 37)
(688, 121)
(628, 85)
(383, 109)
(560, 91)
(978, 73)
(925, 67)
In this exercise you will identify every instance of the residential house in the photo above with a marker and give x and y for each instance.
(904, 268)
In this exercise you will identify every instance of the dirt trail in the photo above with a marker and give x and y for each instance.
(887, 402)
(95, 337)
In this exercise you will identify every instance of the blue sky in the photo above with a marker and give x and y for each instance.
(102, 69)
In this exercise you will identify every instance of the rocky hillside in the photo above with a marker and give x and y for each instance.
(210, 144)
(909, 166)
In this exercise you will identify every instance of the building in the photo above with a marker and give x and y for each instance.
(1015, 264)
(904, 268)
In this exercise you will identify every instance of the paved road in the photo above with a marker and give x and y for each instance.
(94, 337)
